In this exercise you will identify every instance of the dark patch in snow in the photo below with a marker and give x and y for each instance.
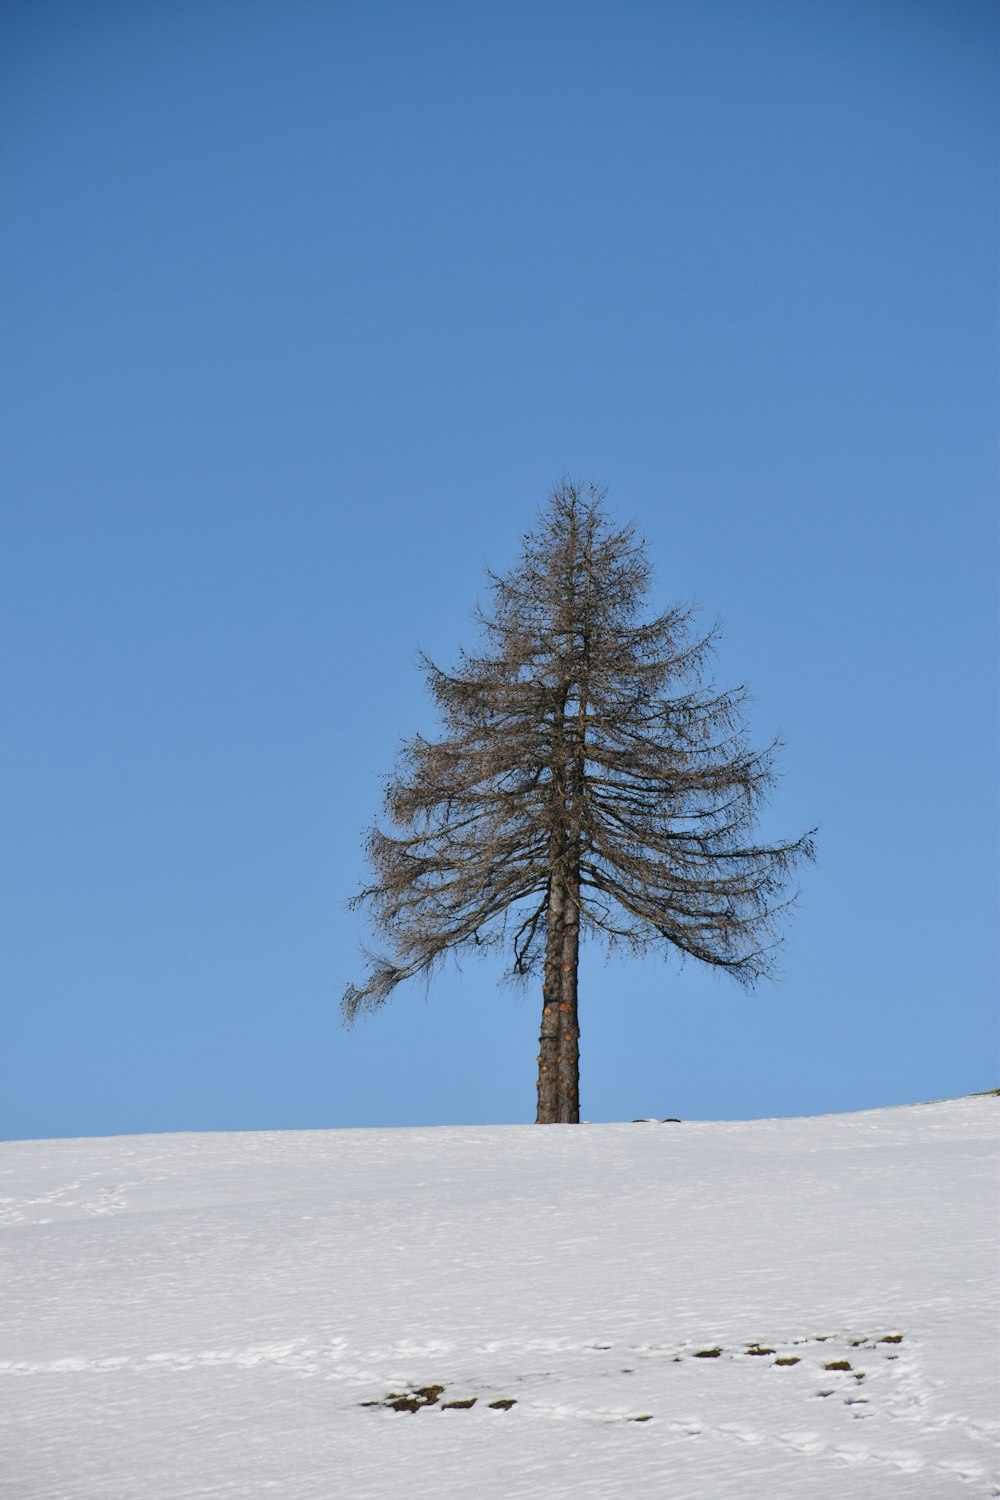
(411, 1401)
(423, 1396)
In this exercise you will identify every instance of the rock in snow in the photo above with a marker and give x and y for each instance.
(776, 1310)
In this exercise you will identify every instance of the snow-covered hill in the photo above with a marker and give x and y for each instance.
(789, 1309)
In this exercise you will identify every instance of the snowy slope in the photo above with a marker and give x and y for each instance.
(208, 1315)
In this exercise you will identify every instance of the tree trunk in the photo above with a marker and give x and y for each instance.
(559, 1041)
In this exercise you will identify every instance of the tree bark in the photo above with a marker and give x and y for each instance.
(569, 1024)
(549, 1070)
(559, 1040)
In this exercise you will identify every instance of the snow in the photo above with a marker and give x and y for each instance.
(207, 1315)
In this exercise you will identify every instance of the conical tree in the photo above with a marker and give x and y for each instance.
(590, 781)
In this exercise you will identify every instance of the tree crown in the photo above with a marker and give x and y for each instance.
(583, 745)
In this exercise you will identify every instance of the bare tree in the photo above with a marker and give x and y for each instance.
(590, 780)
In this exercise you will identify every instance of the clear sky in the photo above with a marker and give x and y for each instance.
(304, 308)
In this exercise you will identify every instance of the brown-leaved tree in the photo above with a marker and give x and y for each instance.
(589, 780)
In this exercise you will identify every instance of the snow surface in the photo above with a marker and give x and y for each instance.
(207, 1315)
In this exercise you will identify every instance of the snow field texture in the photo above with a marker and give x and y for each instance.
(776, 1310)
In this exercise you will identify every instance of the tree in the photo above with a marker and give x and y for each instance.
(590, 780)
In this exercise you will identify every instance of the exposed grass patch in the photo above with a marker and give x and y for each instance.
(417, 1398)
(423, 1396)
(411, 1401)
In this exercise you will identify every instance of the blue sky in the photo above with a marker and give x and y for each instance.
(305, 308)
